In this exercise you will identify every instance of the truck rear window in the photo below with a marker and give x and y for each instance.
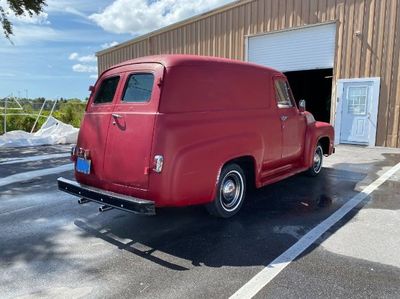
(139, 88)
(107, 90)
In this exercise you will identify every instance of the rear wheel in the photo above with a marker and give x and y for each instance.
(230, 193)
(316, 167)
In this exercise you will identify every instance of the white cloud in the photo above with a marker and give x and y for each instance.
(75, 7)
(109, 45)
(73, 56)
(79, 5)
(142, 16)
(84, 68)
(87, 58)
(27, 33)
(40, 19)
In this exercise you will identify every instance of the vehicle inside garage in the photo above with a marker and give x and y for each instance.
(314, 86)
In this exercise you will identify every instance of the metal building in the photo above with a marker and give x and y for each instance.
(341, 56)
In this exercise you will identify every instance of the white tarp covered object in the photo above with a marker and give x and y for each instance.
(52, 132)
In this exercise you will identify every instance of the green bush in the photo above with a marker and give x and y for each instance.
(68, 111)
(17, 122)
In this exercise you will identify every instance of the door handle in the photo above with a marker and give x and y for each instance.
(116, 115)
(284, 117)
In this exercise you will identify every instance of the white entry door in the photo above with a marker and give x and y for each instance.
(357, 117)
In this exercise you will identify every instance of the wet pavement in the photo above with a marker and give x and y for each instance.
(51, 246)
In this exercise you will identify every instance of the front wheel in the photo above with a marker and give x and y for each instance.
(316, 167)
(230, 193)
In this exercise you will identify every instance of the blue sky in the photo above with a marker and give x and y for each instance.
(53, 54)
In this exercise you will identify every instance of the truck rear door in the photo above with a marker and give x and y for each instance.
(128, 153)
(94, 128)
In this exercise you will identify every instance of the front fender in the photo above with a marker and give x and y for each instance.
(315, 132)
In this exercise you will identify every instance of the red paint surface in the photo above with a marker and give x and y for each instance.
(203, 113)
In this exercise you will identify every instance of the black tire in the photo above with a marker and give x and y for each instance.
(318, 158)
(231, 192)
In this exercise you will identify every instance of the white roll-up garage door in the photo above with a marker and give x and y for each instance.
(297, 49)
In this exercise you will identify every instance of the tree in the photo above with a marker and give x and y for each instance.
(19, 8)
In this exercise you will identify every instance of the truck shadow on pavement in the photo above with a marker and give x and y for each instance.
(272, 219)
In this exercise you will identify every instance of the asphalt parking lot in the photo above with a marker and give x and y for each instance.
(52, 247)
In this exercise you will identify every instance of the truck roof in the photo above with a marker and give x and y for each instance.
(169, 60)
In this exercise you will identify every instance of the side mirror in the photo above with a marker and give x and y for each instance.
(302, 105)
(91, 88)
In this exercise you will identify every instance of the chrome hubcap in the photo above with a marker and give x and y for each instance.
(231, 191)
(317, 159)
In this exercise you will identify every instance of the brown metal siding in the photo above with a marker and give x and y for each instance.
(372, 53)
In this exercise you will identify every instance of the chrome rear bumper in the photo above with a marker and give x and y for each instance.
(115, 200)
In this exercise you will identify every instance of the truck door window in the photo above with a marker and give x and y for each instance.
(107, 90)
(284, 97)
(138, 88)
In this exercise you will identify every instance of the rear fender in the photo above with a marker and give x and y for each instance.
(191, 173)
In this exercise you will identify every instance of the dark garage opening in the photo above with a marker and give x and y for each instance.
(314, 86)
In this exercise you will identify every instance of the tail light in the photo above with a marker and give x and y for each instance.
(158, 163)
(86, 154)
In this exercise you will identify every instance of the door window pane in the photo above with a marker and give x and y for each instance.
(107, 90)
(139, 88)
(357, 100)
(283, 94)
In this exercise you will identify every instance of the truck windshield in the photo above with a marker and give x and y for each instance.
(283, 94)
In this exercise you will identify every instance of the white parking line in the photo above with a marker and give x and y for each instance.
(260, 280)
(33, 158)
(24, 176)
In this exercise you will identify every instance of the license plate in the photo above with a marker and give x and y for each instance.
(82, 165)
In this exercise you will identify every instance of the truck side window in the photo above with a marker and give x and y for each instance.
(107, 90)
(283, 95)
(139, 88)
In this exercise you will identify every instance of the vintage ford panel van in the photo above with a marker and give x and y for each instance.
(178, 130)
